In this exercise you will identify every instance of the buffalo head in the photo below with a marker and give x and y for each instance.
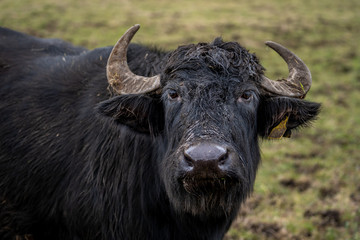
(205, 111)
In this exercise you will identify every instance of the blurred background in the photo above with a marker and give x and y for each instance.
(308, 186)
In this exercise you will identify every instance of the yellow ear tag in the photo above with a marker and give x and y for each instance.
(279, 131)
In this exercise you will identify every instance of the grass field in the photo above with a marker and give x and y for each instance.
(308, 187)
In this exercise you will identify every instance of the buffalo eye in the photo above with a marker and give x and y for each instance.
(173, 95)
(246, 96)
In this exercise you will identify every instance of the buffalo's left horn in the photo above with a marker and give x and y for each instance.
(297, 83)
(120, 77)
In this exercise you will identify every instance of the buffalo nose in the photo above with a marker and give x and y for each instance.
(206, 156)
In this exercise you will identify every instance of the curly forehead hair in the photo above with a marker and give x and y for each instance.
(219, 57)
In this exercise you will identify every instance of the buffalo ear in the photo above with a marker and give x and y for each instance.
(277, 116)
(139, 112)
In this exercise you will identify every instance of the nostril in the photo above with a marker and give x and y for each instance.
(188, 160)
(223, 159)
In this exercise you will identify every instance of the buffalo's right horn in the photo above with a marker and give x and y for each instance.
(297, 83)
(120, 77)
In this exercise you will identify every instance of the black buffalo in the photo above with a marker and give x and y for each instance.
(135, 143)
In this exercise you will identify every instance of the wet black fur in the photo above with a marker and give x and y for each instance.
(77, 162)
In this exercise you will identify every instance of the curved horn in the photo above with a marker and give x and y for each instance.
(120, 77)
(297, 83)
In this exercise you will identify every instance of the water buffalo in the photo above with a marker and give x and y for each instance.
(129, 142)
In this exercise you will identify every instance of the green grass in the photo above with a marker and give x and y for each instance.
(325, 34)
